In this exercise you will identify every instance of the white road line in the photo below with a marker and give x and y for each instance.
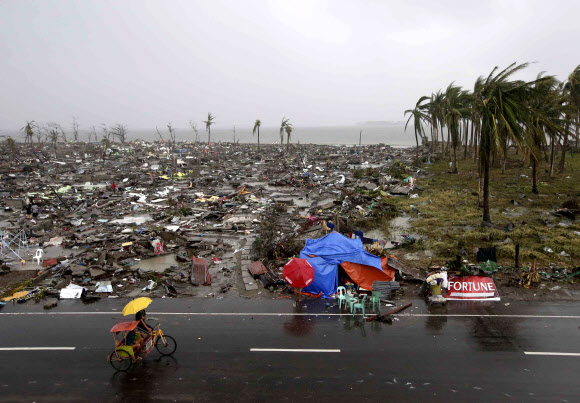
(549, 353)
(37, 348)
(295, 350)
(298, 314)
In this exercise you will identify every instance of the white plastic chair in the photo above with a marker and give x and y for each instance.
(38, 256)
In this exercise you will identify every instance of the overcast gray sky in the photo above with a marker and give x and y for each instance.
(146, 63)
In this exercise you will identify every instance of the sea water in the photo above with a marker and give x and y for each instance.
(391, 135)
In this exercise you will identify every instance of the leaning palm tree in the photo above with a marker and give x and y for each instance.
(572, 88)
(437, 111)
(454, 112)
(208, 124)
(418, 117)
(257, 125)
(282, 127)
(288, 128)
(550, 117)
(502, 106)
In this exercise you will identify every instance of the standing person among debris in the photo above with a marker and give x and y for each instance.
(114, 187)
(34, 209)
(29, 210)
(297, 297)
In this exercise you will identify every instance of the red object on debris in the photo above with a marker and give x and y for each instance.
(298, 273)
(199, 272)
(257, 268)
(474, 288)
(50, 262)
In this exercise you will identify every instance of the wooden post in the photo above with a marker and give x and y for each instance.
(517, 263)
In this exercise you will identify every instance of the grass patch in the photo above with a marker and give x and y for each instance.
(448, 217)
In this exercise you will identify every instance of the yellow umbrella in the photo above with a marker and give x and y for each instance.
(136, 305)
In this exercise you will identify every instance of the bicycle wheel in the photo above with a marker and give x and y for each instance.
(168, 347)
(120, 360)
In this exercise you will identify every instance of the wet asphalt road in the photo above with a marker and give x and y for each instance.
(455, 353)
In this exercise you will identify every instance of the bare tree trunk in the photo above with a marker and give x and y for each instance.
(442, 141)
(466, 137)
(454, 159)
(417, 149)
(505, 151)
(486, 215)
(475, 138)
(534, 175)
(562, 165)
(552, 156)
(449, 145)
(577, 129)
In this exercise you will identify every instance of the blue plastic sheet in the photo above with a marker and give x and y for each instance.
(330, 251)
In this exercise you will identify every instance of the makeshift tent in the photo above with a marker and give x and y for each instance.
(327, 253)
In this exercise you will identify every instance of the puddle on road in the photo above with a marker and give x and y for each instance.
(157, 264)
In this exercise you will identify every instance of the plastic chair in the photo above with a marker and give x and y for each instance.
(38, 256)
(340, 294)
(376, 300)
(360, 305)
(350, 301)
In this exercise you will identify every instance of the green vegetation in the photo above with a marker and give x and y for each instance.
(449, 217)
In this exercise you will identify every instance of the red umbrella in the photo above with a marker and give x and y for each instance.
(298, 273)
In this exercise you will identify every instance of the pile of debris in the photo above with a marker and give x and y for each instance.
(182, 220)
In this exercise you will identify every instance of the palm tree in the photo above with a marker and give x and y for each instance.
(28, 132)
(257, 125)
(503, 106)
(572, 87)
(436, 111)
(543, 116)
(454, 111)
(418, 117)
(282, 127)
(208, 124)
(288, 128)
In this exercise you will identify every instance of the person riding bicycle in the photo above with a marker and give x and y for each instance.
(141, 316)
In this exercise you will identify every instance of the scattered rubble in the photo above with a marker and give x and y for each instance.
(147, 218)
(191, 220)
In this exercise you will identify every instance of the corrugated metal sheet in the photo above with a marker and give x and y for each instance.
(387, 288)
(257, 268)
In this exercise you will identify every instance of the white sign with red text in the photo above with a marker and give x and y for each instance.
(474, 288)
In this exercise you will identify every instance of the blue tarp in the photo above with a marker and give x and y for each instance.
(330, 251)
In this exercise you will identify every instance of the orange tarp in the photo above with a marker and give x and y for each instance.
(364, 275)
